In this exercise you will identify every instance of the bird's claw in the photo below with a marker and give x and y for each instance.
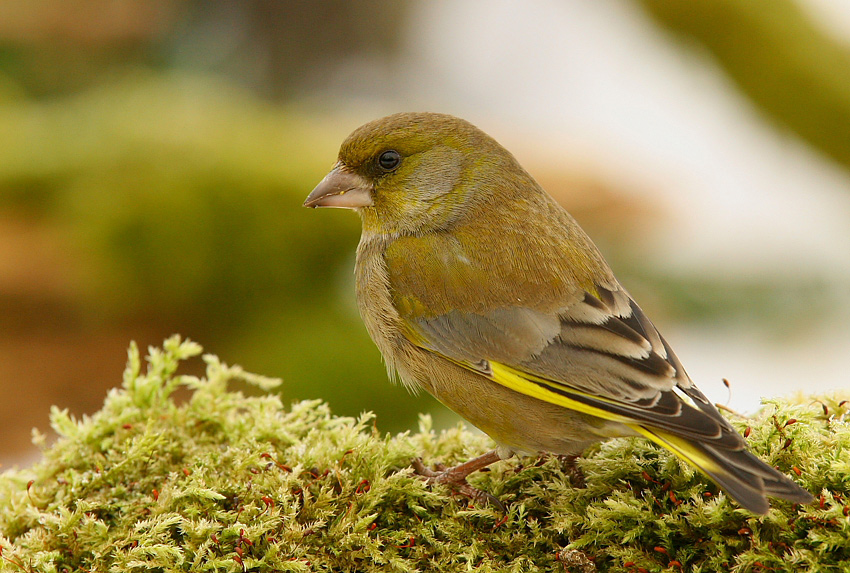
(573, 471)
(456, 481)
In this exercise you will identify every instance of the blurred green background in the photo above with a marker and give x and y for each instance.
(154, 156)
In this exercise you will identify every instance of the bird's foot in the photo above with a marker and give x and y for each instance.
(570, 467)
(455, 477)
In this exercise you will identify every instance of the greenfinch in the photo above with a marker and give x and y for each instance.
(478, 287)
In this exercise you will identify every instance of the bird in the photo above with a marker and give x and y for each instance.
(478, 287)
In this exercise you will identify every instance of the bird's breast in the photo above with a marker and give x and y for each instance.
(379, 314)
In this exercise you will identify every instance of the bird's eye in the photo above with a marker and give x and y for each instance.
(389, 160)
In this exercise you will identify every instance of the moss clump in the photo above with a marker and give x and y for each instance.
(228, 482)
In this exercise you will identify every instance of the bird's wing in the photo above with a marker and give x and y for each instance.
(600, 355)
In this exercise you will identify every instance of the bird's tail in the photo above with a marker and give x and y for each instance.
(742, 475)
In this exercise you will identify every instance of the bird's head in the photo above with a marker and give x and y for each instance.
(414, 172)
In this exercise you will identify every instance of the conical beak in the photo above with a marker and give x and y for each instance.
(341, 188)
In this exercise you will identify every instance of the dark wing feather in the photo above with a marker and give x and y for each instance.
(601, 350)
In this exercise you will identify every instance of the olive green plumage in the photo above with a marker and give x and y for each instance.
(477, 286)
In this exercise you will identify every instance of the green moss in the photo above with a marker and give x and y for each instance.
(226, 482)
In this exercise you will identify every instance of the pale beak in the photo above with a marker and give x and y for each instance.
(341, 188)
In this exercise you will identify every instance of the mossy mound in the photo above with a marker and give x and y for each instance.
(228, 482)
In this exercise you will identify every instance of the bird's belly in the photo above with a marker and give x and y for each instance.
(515, 421)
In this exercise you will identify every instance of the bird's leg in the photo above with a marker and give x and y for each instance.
(455, 477)
(570, 467)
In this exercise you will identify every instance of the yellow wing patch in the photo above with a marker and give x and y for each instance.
(750, 495)
(540, 388)
(683, 449)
